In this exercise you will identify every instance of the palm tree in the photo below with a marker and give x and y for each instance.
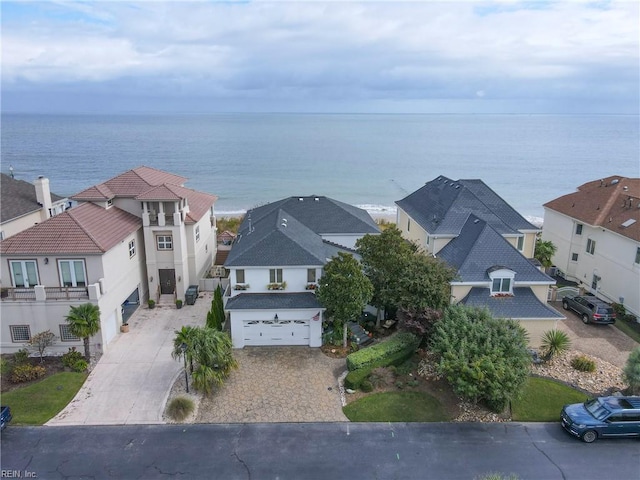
(84, 322)
(544, 252)
(185, 336)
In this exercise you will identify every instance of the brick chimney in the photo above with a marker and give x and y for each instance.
(43, 195)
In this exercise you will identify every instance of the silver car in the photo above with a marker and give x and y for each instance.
(591, 309)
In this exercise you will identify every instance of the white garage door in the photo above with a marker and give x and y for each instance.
(270, 332)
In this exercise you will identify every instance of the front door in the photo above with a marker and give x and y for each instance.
(167, 280)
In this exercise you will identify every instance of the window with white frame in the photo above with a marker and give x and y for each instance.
(275, 275)
(198, 233)
(521, 243)
(66, 335)
(72, 273)
(579, 229)
(240, 276)
(165, 242)
(20, 333)
(132, 248)
(501, 281)
(24, 273)
(591, 246)
(311, 275)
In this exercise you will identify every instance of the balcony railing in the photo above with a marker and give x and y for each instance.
(51, 293)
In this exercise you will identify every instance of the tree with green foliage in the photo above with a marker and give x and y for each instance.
(425, 283)
(41, 341)
(84, 322)
(544, 251)
(215, 316)
(344, 291)
(210, 353)
(631, 371)
(483, 358)
(384, 257)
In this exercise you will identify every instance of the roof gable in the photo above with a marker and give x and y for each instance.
(612, 203)
(479, 250)
(85, 229)
(442, 206)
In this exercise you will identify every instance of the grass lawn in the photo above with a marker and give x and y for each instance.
(629, 330)
(396, 407)
(37, 403)
(542, 400)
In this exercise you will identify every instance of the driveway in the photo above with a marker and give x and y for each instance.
(131, 381)
(602, 341)
(277, 384)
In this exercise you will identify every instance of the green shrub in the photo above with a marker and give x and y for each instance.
(400, 385)
(27, 372)
(70, 358)
(631, 372)
(583, 364)
(366, 386)
(21, 356)
(80, 366)
(355, 377)
(376, 353)
(413, 383)
(554, 342)
(5, 367)
(180, 408)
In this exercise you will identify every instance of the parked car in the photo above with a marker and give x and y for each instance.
(591, 309)
(5, 417)
(603, 417)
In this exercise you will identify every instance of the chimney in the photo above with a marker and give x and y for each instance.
(43, 195)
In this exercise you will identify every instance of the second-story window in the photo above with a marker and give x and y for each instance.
(501, 285)
(521, 243)
(311, 275)
(638, 255)
(165, 242)
(275, 275)
(198, 233)
(239, 276)
(579, 229)
(132, 248)
(72, 273)
(591, 246)
(24, 273)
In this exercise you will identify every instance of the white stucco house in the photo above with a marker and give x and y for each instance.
(597, 233)
(136, 236)
(489, 245)
(23, 205)
(276, 261)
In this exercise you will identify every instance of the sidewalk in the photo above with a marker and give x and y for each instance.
(131, 381)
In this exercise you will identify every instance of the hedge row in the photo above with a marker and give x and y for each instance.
(367, 357)
(354, 379)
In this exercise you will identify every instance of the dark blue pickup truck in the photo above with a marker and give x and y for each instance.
(5, 417)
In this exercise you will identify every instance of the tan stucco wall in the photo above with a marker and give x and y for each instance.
(536, 329)
(410, 229)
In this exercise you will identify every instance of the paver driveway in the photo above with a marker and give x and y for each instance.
(131, 382)
(277, 384)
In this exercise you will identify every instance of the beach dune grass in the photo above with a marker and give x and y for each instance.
(542, 400)
(39, 402)
(396, 407)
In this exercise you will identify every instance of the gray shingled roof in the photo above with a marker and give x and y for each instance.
(442, 206)
(18, 198)
(288, 232)
(522, 305)
(480, 248)
(272, 301)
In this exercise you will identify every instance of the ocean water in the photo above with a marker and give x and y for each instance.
(365, 160)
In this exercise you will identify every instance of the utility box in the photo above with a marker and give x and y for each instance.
(191, 295)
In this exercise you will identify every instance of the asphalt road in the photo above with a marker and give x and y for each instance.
(331, 451)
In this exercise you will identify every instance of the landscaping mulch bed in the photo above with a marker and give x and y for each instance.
(53, 365)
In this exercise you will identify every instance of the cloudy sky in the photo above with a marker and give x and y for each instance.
(316, 56)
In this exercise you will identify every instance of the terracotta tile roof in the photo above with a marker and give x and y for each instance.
(612, 203)
(18, 198)
(130, 184)
(85, 229)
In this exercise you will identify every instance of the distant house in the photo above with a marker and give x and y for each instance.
(597, 232)
(136, 236)
(488, 243)
(23, 205)
(275, 264)
(226, 237)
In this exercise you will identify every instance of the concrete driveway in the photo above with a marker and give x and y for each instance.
(602, 341)
(132, 380)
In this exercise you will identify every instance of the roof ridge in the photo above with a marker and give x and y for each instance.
(613, 197)
(84, 229)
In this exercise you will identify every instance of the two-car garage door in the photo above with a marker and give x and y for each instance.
(274, 332)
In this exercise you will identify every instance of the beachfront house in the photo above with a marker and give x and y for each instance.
(23, 205)
(139, 235)
(276, 261)
(490, 246)
(597, 232)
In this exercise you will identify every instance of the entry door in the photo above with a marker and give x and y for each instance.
(167, 280)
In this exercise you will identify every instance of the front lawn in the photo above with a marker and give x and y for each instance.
(396, 407)
(542, 399)
(630, 329)
(39, 402)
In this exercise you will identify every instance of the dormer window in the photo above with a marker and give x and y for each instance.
(501, 280)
